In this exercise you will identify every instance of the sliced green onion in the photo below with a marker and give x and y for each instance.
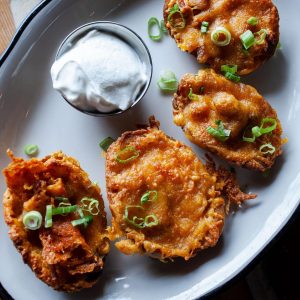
(229, 68)
(259, 131)
(127, 150)
(221, 36)
(246, 52)
(192, 96)
(91, 205)
(267, 149)
(151, 221)
(63, 210)
(202, 89)
(270, 128)
(163, 27)
(168, 81)
(31, 150)
(32, 220)
(219, 133)
(104, 144)
(83, 221)
(173, 11)
(253, 21)
(61, 199)
(154, 23)
(146, 197)
(260, 36)
(137, 222)
(204, 27)
(232, 77)
(48, 216)
(248, 39)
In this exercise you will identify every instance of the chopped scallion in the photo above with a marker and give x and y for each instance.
(168, 81)
(253, 21)
(63, 210)
(32, 220)
(151, 221)
(91, 205)
(221, 36)
(204, 27)
(48, 216)
(232, 77)
(135, 221)
(147, 196)
(163, 27)
(31, 150)
(230, 72)
(220, 133)
(192, 96)
(267, 149)
(260, 36)
(83, 221)
(104, 144)
(153, 24)
(61, 199)
(259, 131)
(127, 154)
(248, 39)
(175, 10)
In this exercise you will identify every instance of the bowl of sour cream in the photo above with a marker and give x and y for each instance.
(102, 68)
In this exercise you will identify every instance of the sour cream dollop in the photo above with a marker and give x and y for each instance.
(100, 72)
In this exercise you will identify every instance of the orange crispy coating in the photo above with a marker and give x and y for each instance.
(189, 207)
(66, 258)
(233, 15)
(240, 107)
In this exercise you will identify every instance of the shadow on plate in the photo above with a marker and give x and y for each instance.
(272, 76)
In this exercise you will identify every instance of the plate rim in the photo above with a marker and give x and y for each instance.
(218, 289)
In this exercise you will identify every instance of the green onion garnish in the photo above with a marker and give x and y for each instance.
(221, 36)
(248, 39)
(204, 27)
(146, 197)
(32, 220)
(253, 21)
(104, 144)
(260, 36)
(163, 27)
(230, 72)
(168, 81)
(192, 96)
(173, 11)
(61, 199)
(267, 149)
(148, 221)
(151, 221)
(91, 205)
(31, 150)
(219, 133)
(63, 210)
(259, 131)
(48, 216)
(232, 77)
(202, 89)
(129, 152)
(152, 24)
(137, 222)
(229, 68)
(83, 221)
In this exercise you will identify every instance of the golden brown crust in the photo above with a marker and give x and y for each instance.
(65, 257)
(233, 15)
(189, 207)
(240, 107)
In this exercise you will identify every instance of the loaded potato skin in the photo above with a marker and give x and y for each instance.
(66, 257)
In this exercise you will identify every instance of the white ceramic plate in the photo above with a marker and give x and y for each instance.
(32, 112)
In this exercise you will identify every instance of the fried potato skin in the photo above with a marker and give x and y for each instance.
(66, 258)
(233, 15)
(189, 207)
(239, 106)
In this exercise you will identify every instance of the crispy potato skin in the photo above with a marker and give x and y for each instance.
(233, 15)
(66, 258)
(239, 106)
(189, 207)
